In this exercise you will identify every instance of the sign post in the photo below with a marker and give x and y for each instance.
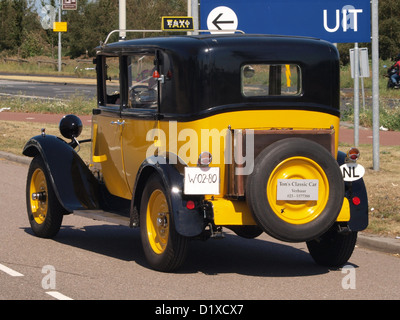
(375, 85)
(62, 26)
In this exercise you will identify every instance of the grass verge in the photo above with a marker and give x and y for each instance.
(15, 134)
(76, 104)
(383, 188)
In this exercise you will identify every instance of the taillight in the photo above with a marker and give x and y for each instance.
(190, 205)
(356, 201)
(353, 154)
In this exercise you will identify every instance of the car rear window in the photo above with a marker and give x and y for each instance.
(260, 80)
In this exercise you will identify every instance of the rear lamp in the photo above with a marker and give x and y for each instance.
(190, 205)
(156, 74)
(205, 159)
(356, 201)
(353, 154)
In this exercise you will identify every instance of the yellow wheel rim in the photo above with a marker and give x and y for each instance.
(38, 196)
(157, 221)
(298, 212)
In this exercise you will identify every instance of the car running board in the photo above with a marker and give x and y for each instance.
(103, 216)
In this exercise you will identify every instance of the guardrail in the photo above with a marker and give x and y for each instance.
(15, 60)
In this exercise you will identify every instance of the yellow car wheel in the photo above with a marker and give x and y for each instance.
(295, 169)
(44, 210)
(157, 221)
(164, 248)
(285, 175)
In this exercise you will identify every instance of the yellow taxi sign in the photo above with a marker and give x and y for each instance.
(177, 23)
(59, 26)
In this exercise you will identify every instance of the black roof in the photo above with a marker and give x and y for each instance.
(207, 70)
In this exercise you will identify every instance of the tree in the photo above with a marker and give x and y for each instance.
(85, 32)
(17, 21)
(11, 13)
(389, 28)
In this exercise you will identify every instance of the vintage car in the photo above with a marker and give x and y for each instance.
(193, 133)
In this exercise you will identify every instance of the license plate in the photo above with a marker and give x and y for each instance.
(201, 180)
(297, 190)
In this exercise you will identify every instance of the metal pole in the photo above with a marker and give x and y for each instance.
(189, 12)
(356, 95)
(122, 20)
(195, 14)
(59, 37)
(375, 85)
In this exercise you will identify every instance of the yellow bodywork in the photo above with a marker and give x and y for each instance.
(121, 149)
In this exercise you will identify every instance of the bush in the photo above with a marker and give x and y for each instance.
(389, 116)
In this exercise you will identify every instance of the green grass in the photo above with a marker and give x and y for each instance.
(77, 104)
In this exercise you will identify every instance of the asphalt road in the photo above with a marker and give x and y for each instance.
(45, 90)
(92, 260)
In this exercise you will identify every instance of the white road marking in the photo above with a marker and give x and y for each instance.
(58, 295)
(10, 272)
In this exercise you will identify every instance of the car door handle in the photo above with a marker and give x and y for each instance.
(118, 122)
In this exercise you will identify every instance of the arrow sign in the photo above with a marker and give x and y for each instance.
(222, 18)
(216, 22)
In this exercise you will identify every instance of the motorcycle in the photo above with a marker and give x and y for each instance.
(390, 84)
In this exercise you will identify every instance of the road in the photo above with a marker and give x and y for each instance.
(92, 260)
(48, 90)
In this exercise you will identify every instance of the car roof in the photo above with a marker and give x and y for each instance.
(208, 67)
(208, 40)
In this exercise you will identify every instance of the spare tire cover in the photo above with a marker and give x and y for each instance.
(298, 169)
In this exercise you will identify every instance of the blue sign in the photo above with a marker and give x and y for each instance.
(332, 20)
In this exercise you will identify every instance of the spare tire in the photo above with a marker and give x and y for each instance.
(286, 162)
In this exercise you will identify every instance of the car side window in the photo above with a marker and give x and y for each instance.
(111, 81)
(142, 82)
(260, 80)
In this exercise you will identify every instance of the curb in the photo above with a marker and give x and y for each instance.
(378, 243)
(367, 241)
(15, 158)
(49, 79)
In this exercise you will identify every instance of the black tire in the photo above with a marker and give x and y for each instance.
(332, 249)
(164, 248)
(295, 221)
(45, 213)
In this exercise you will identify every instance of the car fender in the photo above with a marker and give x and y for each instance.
(188, 223)
(74, 184)
(358, 213)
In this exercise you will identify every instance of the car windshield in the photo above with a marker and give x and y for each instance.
(142, 84)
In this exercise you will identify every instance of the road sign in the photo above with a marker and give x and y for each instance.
(333, 20)
(362, 61)
(177, 23)
(222, 18)
(69, 4)
(59, 26)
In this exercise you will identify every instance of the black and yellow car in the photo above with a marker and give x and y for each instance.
(195, 133)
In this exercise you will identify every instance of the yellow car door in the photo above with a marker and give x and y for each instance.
(107, 133)
(139, 132)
